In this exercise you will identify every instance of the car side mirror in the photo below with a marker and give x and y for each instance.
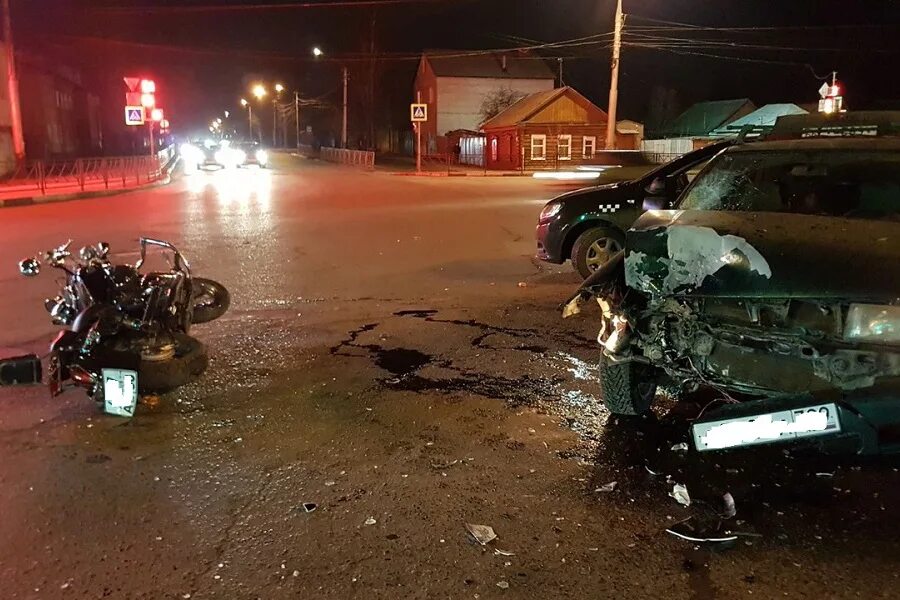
(30, 267)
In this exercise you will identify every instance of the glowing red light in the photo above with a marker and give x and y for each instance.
(156, 114)
(148, 86)
(148, 100)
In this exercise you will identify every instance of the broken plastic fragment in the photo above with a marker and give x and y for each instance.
(483, 534)
(309, 506)
(730, 509)
(682, 447)
(503, 585)
(500, 552)
(607, 487)
(680, 493)
(371, 521)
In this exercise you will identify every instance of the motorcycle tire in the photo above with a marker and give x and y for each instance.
(211, 300)
(628, 388)
(189, 362)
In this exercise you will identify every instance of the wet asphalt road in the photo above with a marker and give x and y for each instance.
(383, 361)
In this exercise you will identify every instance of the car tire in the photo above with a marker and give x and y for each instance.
(210, 298)
(595, 247)
(628, 388)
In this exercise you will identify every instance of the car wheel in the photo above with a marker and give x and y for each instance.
(594, 248)
(628, 388)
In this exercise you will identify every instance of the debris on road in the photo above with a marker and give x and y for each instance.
(730, 508)
(680, 493)
(443, 465)
(685, 531)
(371, 521)
(523, 284)
(500, 552)
(503, 585)
(308, 507)
(682, 447)
(607, 487)
(483, 534)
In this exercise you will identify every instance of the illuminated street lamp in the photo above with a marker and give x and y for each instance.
(249, 108)
(279, 88)
(317, 52)
(259, 91)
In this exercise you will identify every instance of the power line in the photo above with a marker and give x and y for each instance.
(720, 56)
(680, 42)
(262, 7)
(678, 26)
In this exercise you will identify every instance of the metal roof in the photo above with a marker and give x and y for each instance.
(519, 65)
(527, 107)
(704, 117)
(764, 116)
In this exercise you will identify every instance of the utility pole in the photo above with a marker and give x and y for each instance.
(418, 126)
(12, 81)
(344, 126)
(614, 79)
(560, 63)
(297, 116)
(274, 122)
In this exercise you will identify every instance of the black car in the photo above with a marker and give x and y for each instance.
(588, 225)
(774, 283)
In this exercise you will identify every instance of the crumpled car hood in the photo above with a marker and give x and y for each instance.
(744, 254)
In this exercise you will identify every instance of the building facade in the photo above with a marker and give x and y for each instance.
(552, 130)
(455, 87)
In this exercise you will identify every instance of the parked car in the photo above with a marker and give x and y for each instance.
(774, 280)
(588, 226)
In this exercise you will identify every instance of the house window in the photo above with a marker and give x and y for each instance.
(564, 147)
(494, 152)
(589, 146)
(538, 147)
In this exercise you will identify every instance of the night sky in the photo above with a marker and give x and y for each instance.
(206, 60)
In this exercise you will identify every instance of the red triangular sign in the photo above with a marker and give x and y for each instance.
(132, 83)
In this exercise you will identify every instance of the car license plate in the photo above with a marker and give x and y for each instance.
(783, 425)
(120, 391)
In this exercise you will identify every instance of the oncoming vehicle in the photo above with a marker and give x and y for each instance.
(774, 280)
(223, 154)
(588, 226)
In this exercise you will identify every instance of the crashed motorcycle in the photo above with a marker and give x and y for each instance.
(126, 331)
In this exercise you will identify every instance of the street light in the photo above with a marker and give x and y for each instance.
(279, 88)
(259, 91)
(249, 108)
(317, 52)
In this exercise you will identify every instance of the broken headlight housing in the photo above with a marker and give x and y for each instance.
(879, 323)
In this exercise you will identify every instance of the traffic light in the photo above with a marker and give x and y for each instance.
(148, 86)
(157, 115)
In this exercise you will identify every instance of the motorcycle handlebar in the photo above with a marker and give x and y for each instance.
(181, 263)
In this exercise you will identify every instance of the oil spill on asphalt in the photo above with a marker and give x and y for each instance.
(399, 361)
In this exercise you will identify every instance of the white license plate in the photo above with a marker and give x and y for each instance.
(784, 425)
(120, 392)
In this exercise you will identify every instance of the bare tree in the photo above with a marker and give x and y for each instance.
(497, 101)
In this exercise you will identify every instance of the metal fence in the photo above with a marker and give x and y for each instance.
(357, 158)
(47, 176)
(452, 162)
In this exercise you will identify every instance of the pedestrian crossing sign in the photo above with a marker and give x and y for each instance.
(134, 115)
(418, 112)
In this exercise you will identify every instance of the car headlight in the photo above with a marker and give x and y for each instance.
(239, 156)
(878, 323)
(551, 210)
(191, 153)
(222, 157)
(262, 156)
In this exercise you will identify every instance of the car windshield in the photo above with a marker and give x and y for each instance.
(847, 183)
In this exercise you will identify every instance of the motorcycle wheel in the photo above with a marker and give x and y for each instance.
(211, 299)
(188, 361)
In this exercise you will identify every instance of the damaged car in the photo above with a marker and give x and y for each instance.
(774, 281)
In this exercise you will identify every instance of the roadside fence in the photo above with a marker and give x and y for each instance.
(48, 176)
(356, 158)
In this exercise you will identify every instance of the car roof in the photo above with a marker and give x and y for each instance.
(821, 143)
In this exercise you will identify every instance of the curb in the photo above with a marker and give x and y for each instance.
(31, 200)
(444, 174)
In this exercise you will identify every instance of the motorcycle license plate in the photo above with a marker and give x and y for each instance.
(780, 426)
(120, 391)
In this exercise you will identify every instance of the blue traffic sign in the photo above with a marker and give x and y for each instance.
(134, 115)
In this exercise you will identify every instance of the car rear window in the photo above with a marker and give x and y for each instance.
(854, 184)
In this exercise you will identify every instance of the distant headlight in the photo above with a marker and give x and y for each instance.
(262, 156)
(239, 156)
(222, 157)
(551, 210)
(191, 154)
(879, 323)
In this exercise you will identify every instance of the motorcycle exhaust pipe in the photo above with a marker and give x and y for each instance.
(20, 370)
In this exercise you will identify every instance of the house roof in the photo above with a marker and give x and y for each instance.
(766, 116)
(529, 106)
(519, 65)
(703, 117)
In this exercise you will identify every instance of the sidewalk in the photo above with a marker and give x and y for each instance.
(406, 166)
(25, 194)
